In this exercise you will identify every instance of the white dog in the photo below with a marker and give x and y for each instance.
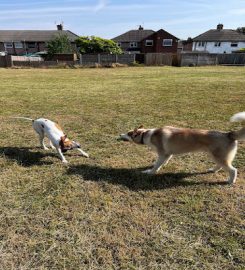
(57, 138)
(168, 141)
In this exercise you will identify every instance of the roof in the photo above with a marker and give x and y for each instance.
(133, 35)
(159, 31)
(221, 35)
(33, 35)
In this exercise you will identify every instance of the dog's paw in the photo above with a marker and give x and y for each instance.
(231, 181)
(45, 148)
(149, 171)
(214, 170)
(85, 155)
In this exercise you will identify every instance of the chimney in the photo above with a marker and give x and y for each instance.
(220, 26)
(60, 27)
(141, 27)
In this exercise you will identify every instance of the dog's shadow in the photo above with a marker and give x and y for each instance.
(26, 156)
(130, 178)
(134, 179)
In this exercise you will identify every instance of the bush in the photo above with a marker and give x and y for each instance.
(60, 44)
(97, 45)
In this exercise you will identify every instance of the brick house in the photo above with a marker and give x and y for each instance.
(21, 42)
(147, 41)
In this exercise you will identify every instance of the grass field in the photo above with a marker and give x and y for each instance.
(102, 213)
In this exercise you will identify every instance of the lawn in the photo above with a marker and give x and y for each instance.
(101, 212)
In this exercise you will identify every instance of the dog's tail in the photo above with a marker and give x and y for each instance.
(239, 134)
(20, 117)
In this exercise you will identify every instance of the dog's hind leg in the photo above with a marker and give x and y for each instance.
(232, 172)
(225, 161)
(41, 139)
(233, 175)
(39, 130)
(162, 160)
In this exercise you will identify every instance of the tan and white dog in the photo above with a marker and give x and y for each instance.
(57, 138)
(168, 141)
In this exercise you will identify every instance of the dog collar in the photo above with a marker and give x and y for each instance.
(142, 138)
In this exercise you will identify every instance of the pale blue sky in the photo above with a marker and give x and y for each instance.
(109, 18)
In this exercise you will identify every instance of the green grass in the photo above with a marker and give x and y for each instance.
(102, 213)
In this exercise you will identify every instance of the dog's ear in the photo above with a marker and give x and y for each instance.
(136, 129)
(63, 138)
(62, 141)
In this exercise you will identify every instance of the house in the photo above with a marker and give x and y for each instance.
(219, 40)
(21, 42)
(185, 45)
(147, 41)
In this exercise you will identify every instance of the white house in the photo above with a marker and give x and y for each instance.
(219, 41)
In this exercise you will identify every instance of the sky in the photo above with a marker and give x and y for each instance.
(110, 18)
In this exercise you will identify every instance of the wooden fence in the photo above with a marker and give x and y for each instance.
(3, 61)
(150, 59)
(85, 60)
(106, 59)
(158, 59)
(231, 59)
(204, 59)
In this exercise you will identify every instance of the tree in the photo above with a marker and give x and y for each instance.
(94, 44)
(59, 44)
(241, 30)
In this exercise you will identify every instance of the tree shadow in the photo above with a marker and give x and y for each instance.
(134, 179)
(24, 156)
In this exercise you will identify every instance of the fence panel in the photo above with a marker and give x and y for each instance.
(42, 64)
(26, 58)
(106, 59)
(88, 59)
(232, 59)
(203, 59)
(126, 59)
(158, 59)
(2, 61)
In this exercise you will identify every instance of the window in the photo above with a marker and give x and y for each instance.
(8, 45)
(167, 42)
(233, 44)
(31, 45)
(217, 44)
(133, 44)
(18, 45)
(119, 44)
(149, 42)
(201, 44)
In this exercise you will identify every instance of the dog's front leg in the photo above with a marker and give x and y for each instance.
(217, 168)
(63, 159)
(83, 153)
(51, 144)
(162, 160)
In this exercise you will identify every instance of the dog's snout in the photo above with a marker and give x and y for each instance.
(76, 144)
(124, 137)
